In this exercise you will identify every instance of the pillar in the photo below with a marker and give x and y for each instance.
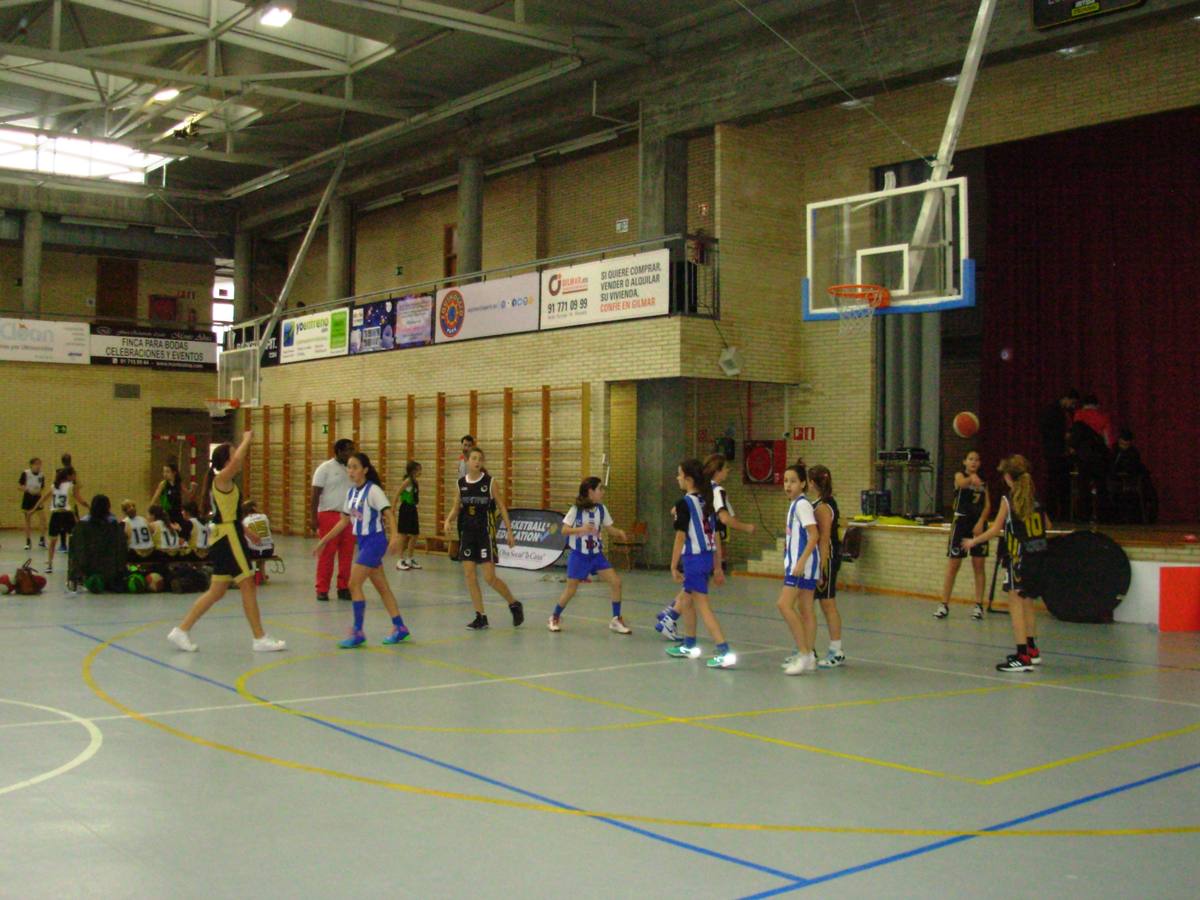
(662, 187)
(662, 441)
(242, 307)
(31, 262)
(337, 257)
(470, 214)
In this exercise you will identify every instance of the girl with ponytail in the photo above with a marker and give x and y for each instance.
(368, 511)
(1025, 526)
(228, 554)
(801, 570)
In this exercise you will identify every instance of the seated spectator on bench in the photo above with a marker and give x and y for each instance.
(137, 530)
(200, 530)
(256, 528)
(98, 547)
(1134, 495)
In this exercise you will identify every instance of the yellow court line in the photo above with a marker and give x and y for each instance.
(293, 765)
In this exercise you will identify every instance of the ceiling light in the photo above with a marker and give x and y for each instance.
(277, 13)
(950, 79)
(855, 103)
(1076, 51)
(166, 95)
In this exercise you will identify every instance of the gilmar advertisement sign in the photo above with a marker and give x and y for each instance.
(487, 309)
(315, 336)
(36, 340)
(609, 290)
(540, 541)
(151, 348)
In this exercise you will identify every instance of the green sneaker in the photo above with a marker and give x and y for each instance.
(726, 660)
(681, 652)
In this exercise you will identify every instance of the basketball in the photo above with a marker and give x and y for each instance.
(966, 424)
(94, 584)
(136, 583)
(6, 584)
(154, 582)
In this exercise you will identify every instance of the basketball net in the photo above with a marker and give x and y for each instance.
(857, 304)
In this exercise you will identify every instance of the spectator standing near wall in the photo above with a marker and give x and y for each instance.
(330, 486)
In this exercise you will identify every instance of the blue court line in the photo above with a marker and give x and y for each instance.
(794, 879)
(947, 842)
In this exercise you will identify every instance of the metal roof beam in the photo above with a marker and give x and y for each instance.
(543, 37)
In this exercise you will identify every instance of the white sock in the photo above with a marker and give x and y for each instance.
(835, 646)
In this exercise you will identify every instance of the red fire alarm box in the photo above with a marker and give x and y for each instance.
(764, 462)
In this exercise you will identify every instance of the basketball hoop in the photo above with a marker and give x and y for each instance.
(218, 406)
(857, 304)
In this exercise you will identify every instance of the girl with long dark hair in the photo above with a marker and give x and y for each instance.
(584, 526)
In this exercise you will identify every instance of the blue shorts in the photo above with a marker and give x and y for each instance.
(585, 565)
(697, 569)
(804, 584)
(370, 549)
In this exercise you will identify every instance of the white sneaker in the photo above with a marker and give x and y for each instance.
(554, 624)
(268, 644)
(413, 564)
(942, 611)
(787, 662)
(180, 639)
(403, 566)
(977, 613)
(618, 625)
(801, 664)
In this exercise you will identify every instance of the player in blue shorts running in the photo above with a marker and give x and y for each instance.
(584, 526)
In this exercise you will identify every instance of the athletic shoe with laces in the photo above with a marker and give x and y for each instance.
(554, 624)
(180, 639)
(942, 611)
(268, 644)
(322, 598)
(49, 569)
(42, 543)
(1035, 656)
(801, 664)
(479, 623)
(413, 564)
(399, 635)
(682, 652)
(403, 566)
(787, 662)
(977, 612)
(1015, 663)
(726, 660)
(27, 545)
(666, 627)
(355, 639)
(518, 613)
(618, 625)
(344, 594)
(832, 660)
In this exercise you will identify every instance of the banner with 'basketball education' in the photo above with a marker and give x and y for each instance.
(539, 538)
(487, 309)
(316, 336)
(608, 290)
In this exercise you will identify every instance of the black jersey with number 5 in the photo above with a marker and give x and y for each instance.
(477, 510)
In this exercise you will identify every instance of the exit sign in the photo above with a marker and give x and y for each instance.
(60, 429)
(325, 429)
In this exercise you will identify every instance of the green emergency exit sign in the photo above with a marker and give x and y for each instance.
(324, 429)
(60, 429)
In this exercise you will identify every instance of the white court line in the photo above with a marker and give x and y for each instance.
(96, 740)
(404, 690)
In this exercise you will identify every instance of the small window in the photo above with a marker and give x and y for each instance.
(449, 250)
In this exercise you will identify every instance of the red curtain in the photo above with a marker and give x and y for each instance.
(1092, 280)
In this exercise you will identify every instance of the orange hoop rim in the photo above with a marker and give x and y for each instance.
(218, 405)
(876, 296)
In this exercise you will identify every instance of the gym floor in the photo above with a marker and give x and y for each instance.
(520, 762)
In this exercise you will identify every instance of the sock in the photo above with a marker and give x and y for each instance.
(616, 608)
(835, 646)
(398, 621)
(1031, 642)
(360, 610)
(689, 642)
(1022, 649)
(557, 611)
(722, 648)
(673, 613)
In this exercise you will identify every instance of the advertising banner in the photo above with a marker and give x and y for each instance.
(38, 340)
(391, 324)
(154, 348)
(315, 336)
(503, 306)
(540, 541)
(608, 290)
(239, 337)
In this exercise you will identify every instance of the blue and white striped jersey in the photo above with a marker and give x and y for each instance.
(699, 529)
(365, 506)
(597, 516)
(800, 516)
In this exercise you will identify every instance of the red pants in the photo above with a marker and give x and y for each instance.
(342, 547)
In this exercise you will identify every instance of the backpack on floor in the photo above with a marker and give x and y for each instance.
(27, 581)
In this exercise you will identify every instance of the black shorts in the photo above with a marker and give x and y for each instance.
(477, 547)
(29, 501)
(959, 532)
(408, 520)
(229, 558)
(1028, 577)
(829, 591)
(61, 523)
